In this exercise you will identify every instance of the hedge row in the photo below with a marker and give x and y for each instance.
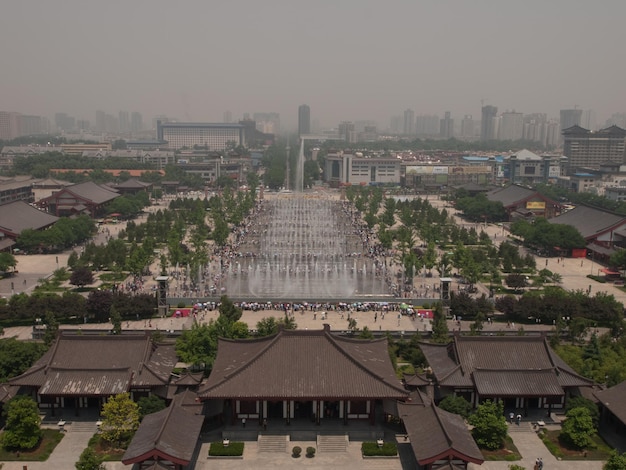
(234, 449)
(370, 449)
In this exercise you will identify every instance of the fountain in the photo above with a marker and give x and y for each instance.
(300, 247)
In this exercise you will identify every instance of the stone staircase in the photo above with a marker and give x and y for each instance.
(272, 443)
(332, 443)
(523, 427)
(82, 426)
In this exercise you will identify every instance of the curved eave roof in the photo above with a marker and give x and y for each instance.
(302, 364)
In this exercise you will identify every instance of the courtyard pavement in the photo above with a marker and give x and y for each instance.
(32, 268)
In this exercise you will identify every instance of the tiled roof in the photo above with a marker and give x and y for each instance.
(614, 399)
(542, 383)
(170, 434)
(302, 364)
(99, 365)
(501, 366)
(18, 215)
(589, 221)
(436, 434)
(510, 195)
(88, 191)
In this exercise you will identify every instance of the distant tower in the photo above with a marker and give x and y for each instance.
(228, 117)
(570, 117)
(488, 124)
(446, 126)
(287, 169)
(304, 119)
(409, 122)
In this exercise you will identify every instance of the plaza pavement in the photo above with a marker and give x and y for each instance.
(34, 267)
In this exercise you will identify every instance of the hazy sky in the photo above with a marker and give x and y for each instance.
(347, 59)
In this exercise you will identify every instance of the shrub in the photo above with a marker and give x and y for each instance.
(234, 449)
(490, 428)
(310, 451)
(578, 428)
(371, 449)
(296, 451)
(181, 304)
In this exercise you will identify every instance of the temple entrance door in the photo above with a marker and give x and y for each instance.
(331, 410)
(274, 409)
(302, 410)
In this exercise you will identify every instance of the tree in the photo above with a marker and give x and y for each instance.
(81, 276)
(52, 329)
(440, 333)
(267, 326)
(456, 404)
(89, 460)
(616, 461)
(198, 345)
(490, 426)
(582, 402)
(150, 404)
(120, 419)
(17, 356)
(7, 260)
(116, 321)
(578, 428)
(22, 430)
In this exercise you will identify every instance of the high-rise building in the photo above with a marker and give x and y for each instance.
(63, 122)
(570, 117)
(511, 126)
(446, 126)
(136, 122)
(467, 127)
(586, 149)
(409, 122)
(347, 132)
(396, 124)
(427, 125)
(488, 124)
(123, 121)
(227, 117)
(9, 125)
(588, 120)
(268, 123)
(304, 119)
(617, 119)
(187, 134)
(100, 121)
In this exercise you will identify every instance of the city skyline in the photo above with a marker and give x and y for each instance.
(349, 61)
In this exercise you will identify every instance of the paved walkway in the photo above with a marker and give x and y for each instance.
(64, 456)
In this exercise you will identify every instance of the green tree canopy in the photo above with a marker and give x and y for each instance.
(23, 424)
(490, 426)
(150, 404)
(578, 428)
(120, 419)
(456, 404)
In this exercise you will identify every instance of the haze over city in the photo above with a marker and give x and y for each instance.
(348, 60)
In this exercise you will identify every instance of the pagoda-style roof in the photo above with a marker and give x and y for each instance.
(303, 364)
(437, 435)
(90, 365)
(502, 366)
(614, 400)
(590, 221)
(18, 216)
(88, 191)
(170, 434)
(514, 195)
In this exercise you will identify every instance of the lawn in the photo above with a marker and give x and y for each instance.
(509, 452)
(104, 449)
(50, 439)
(551, 440)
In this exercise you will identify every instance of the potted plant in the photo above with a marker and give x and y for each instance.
(310, 452)
(296, 451)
